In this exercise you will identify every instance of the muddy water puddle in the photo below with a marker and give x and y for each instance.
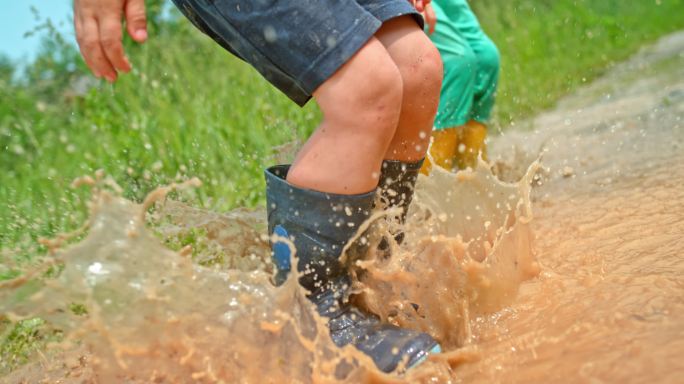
(609, 304)
(576, 280)
(609, 228)
(150, 314)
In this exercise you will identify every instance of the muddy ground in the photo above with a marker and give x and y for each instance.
(609, 226)
(608, 305)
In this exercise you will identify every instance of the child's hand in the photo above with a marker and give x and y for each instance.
(98, 32)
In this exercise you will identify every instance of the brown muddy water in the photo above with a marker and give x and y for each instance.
(572, 273)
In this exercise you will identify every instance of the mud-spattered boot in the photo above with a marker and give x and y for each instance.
(397, 183)
(320, 224)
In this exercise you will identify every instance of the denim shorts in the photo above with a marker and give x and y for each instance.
(295, 44)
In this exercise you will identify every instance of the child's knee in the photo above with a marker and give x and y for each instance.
(365, 98)
(378, 100)
(460, 69)
(422, 78)
(430, 72)
(488, 58)
(383, 91)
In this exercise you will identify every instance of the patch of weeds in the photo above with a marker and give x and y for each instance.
(78, 309)
(20, 340)
(54, 271)
(205, 252)
(9, 274)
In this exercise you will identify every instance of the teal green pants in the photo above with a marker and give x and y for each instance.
(471, 65)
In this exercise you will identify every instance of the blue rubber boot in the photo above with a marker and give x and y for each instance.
(397, 183)
(320, 224)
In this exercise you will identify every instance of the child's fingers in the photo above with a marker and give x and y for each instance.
(110, 38)
(78, 28)
(136, 20)
(91, 49)
(418, 5)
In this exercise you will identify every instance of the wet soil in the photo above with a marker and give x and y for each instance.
(609, 225)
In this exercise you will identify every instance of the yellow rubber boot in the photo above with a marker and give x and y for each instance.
(443, 149)
(471, 142)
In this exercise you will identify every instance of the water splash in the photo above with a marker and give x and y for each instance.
(153, 314)
(468, 248)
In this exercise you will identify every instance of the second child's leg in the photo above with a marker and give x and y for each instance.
(486, 78)
(471, 63)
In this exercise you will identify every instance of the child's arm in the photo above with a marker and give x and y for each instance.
(98, 32)
(430, 18)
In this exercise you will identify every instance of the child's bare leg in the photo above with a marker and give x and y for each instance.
(420, 66)
(361, 103)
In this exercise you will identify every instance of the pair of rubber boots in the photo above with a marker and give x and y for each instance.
(320, 225)
(458, 147)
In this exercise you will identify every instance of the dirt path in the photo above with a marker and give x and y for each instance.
(609, 223)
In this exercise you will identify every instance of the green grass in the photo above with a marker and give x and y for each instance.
(190, 109)
(551, 47)
(21, 339)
